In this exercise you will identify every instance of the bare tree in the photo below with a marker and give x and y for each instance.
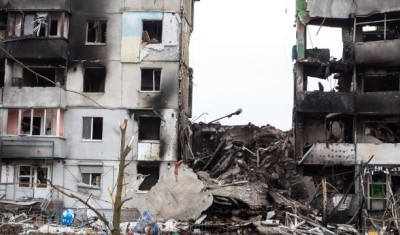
(119, 201)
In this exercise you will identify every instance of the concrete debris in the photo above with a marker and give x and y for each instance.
(177, 196)
(253, 177)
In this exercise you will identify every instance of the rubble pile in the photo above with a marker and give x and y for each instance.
(251, 173)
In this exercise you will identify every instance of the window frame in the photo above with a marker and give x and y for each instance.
(91, 175)
(153, 79)
(30, 177)
(91, 128)
(87, 31)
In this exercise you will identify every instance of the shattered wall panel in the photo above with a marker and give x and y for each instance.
(168, 50)
(132, 28)
(384, 154)
(331, 154)
(343, 8)
(378, 52)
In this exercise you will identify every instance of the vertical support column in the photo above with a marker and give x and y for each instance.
(44, 122)
(31, 123)
(58, 123)
(62, 24)
(384, 28)
(324, 201)
(19, 121)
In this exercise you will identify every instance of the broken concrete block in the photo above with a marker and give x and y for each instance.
(181, 199)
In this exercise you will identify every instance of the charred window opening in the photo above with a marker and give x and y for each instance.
(149, 128)
(376, 83)
(151, 80)
(341, 129)
(96, 32)
(92, 128)
(94, 79)
(382, 132)
(316, 84)
(152, 172)
(30, 79)
(395, 184)
(338, 176)
(379, 27)
(53, 28)
(152, 31)
(2, 74)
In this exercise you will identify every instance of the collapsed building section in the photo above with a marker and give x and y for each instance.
(338, 131)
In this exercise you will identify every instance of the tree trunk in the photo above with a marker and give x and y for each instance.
(121, 169)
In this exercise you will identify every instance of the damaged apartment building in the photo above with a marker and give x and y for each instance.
(71, 71)
(350, 134)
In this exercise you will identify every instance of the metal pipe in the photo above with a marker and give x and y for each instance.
(239, 111)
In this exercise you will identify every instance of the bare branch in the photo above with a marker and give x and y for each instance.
(101, 217)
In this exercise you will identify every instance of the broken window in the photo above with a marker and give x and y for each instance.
(30, 79)
(152, 31)
(33, 121)
(339, 176)
(378, 27)
(92, 128)
(381, 132)
(152, 172)
(25, 176)
(149, 128)
(375, 83)
(96, 31)
(151, 80)
(94, 79)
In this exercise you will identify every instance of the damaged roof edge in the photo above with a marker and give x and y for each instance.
(344, 9)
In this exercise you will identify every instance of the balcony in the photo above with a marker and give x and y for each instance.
(331, 154)
(47, 5)
(325, 102)
(149, 151)
(384, 154)
(14, 97)
(378, 102)
(38, 48)
(378, 52)
(32, 147)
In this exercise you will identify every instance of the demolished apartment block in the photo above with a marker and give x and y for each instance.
(95, 62)
(337, 132)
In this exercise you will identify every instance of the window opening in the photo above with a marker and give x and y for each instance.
(152, 31)
(96, 31)
(152, 173)
(25, 176)
(151, 80)
(94, 80)
(377, 83)
(149, 128)
(91, 178)
(32, 80)
(92, 128)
